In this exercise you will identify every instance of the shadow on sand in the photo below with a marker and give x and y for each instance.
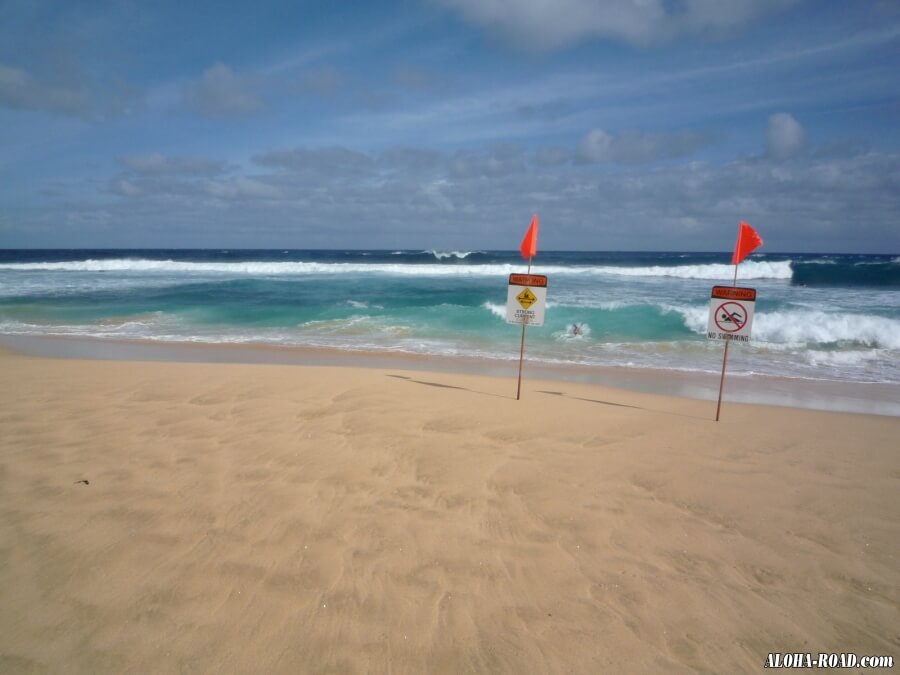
(441, 385)
(619, 405)
(590, 400)
(447, 386)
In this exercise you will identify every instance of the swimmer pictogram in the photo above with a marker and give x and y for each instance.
(731, 316)
(731, 313)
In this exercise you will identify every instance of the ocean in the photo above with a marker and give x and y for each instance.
(818, 316)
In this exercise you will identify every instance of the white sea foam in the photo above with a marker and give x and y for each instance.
(840, 362)
(359, 304)
(569, 335)
(260, 268)
(748, 270)
(805, 327)
(354, 326)
(440, 255)
(695, 318)
(18, 285)
(818, 357)
(827, 328)
(500, 310)
(147, 329)
(588, 300)
(612, 305)
(495, 309)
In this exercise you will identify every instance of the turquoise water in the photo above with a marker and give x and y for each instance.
(817, 316)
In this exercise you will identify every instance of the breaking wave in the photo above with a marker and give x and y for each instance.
(808, 327)
(748, 270)
(495, 309)
(459, 255)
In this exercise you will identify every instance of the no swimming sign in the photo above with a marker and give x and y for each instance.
(731, 313)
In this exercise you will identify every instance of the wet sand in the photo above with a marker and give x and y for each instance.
(878, 398)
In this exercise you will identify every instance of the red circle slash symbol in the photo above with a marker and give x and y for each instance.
(731, 317)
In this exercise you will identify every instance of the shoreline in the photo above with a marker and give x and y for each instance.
(826, 395)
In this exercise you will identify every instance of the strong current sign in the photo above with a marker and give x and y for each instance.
(526, 298)
(731, 313)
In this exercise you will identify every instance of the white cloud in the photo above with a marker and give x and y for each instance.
(241, 188)
(497, 161)
(841, 203)
(550, 24)
(413, 161)
(124, 188)
(77, 96)
(553, 156)
(19, 90)
(636, 147)
(434, 192)
(223, 93)
(332, 160)
(784, 136)
(157, 164)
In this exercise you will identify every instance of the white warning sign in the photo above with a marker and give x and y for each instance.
(731, 313)
(526, 298)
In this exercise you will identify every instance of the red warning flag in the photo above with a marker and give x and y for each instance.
(529, 243)
(748, 239)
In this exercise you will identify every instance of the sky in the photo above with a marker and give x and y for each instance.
(624, 124)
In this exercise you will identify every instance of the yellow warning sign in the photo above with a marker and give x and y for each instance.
(526, 298)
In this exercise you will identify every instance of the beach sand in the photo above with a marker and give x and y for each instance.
(299, 519)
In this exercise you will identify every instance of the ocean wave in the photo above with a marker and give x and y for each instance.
(823, 329)
(581, 301)
(837, 361)
(807, 327)
(349, 323)
(715, 271)
(695, 317)
(873, 273)
(261, 268)
(748, 270)
(148, 328)
(500, 310)
(495, 309)
(358, 304)
(819, 357)
(440, 255)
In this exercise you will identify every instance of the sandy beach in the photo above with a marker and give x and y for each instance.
(207, 517)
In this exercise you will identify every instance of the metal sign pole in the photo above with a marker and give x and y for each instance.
(725, 356)
(722, 379)
(522, 347)
(521, 357)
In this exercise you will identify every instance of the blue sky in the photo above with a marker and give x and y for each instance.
(627, 125)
